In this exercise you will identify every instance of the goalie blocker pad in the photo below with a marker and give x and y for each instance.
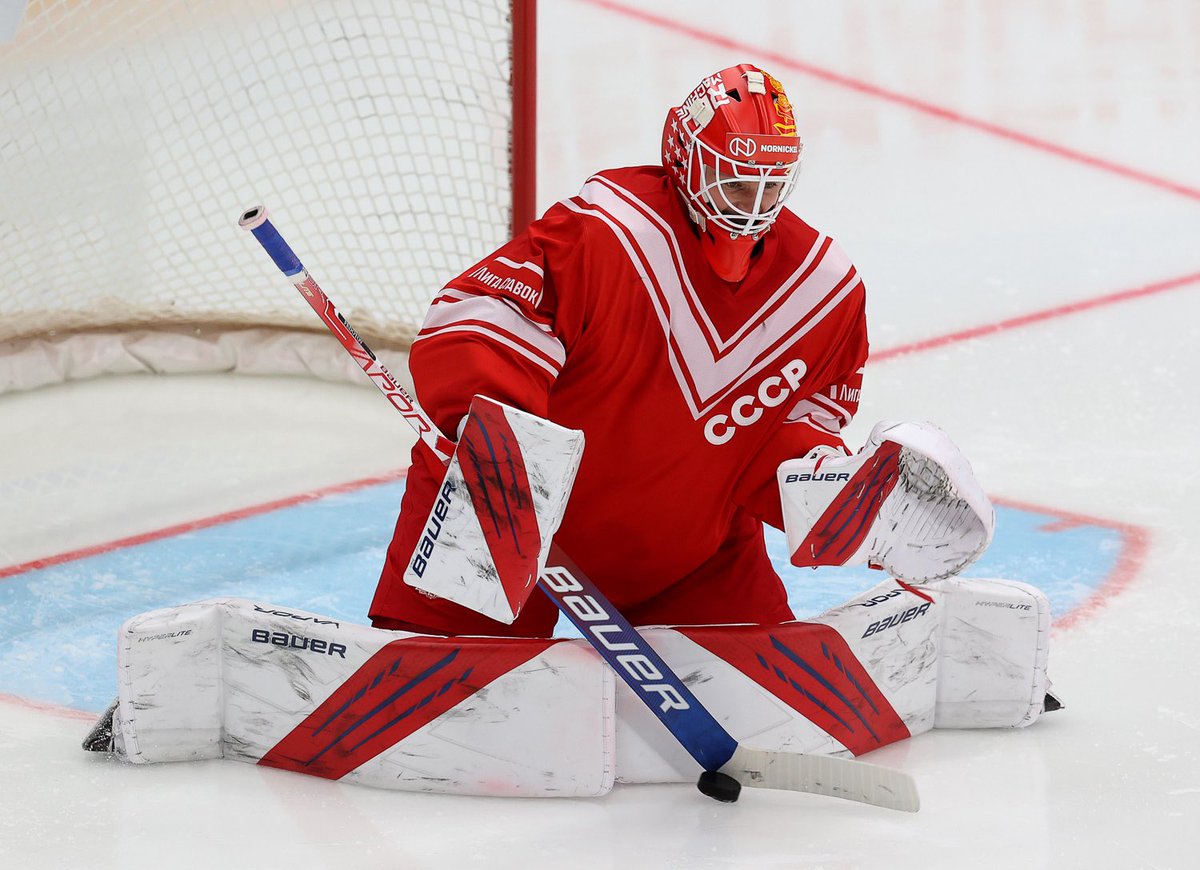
(505, 716)
(488, 534)
(907, 502)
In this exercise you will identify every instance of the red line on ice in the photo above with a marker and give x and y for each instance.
(1135, 541)
(1037, 316)
(917, 105)
(949, 115)
(52, 709)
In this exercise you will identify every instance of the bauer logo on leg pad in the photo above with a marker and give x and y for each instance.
(897, 618)
(295, 641)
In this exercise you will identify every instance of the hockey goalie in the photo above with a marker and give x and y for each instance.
(644, 376)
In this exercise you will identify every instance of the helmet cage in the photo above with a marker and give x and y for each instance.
(711, 177)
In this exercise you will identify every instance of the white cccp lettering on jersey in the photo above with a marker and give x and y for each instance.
(748, 410)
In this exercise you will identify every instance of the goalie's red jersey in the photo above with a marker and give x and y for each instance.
(605, 316)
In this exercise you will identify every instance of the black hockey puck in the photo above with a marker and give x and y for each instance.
(719, 786)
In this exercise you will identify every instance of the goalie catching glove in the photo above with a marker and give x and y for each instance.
(907, 502)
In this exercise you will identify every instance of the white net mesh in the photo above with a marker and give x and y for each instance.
(132, 135)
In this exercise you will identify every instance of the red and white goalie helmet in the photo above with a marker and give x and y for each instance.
(732, 150)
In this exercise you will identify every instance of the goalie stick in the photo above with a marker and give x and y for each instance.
(727, 764)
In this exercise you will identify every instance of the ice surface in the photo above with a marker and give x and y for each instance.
(954, 225)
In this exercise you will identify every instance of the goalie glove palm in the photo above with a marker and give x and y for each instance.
(907, 503)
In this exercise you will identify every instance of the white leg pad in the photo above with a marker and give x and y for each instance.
(171, 700)
(995, 643)
(228, 678)
(886, 665)
(856, 678)
(232, 679)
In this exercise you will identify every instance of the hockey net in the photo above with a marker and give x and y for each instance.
(132, 134)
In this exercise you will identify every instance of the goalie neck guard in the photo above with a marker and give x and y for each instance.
(732, 152)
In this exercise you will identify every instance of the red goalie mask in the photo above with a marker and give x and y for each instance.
(732, 151)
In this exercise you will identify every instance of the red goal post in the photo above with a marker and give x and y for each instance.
(394, 141)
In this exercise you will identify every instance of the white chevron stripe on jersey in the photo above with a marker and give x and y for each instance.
(706, 366)
(481, 329)
(451, 293)
(721, 345)
(810, 412)
(832, 407)
(496, 320)
(513, 264)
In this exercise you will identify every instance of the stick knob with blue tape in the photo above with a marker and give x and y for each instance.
(255, 220)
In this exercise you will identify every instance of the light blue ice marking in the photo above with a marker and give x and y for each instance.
(58, 625)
